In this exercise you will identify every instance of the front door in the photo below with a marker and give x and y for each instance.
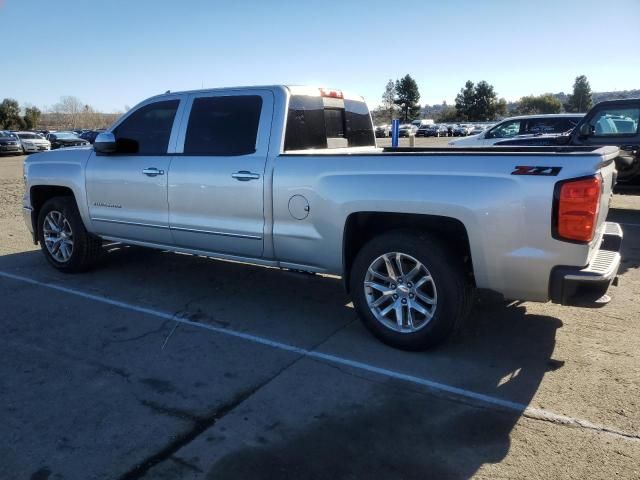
(216, 178)
(127, 190)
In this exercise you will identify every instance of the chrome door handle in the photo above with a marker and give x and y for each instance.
(245, 176)
(152, 172)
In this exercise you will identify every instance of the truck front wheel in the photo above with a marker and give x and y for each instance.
(409, 290)
(65, 242)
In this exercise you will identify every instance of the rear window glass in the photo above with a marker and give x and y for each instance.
(223, 126)
(312, 125)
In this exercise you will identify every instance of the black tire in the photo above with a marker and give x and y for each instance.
(87, 248)
(454, 293)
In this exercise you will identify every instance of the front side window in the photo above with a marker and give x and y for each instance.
(147, 130)
(223, 126)
(620, 121)
(505, 130)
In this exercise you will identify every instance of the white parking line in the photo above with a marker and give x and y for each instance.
(432, 385)
(629, 224)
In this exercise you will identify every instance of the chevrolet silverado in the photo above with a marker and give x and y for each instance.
(291, 177)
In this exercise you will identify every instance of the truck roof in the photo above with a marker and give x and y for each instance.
(307, 90)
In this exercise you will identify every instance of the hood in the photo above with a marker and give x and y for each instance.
(69, 155)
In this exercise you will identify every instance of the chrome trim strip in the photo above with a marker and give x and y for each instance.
(119, 222)
(180, 229)
(222, 234)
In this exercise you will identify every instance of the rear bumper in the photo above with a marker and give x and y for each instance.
(583, 286)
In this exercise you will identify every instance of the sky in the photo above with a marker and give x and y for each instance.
(119, 52)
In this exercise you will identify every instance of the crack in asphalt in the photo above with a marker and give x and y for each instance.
(201, 424)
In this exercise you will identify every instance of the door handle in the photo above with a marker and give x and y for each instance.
(245, 176)
(152, 172)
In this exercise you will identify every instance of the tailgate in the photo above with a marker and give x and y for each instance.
(608, 173)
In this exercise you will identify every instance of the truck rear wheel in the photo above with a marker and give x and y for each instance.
(409, 290)
(65, 242)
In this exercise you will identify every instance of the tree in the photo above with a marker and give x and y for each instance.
(465, 101)
(32, 117)
(541, 104)
(388, 98)
(71, 108)
(580, 100)
(10, 115)
(448, 115)
(407, 97)
(479, 102)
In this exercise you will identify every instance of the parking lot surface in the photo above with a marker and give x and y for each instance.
(167, 366)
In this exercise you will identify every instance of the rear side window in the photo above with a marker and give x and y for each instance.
(311, 124)
(223, 126)
(147, 130)
(550, 125)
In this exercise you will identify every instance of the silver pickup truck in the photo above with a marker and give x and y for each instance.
(291, 177)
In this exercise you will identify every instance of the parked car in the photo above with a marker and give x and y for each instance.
(407, 130)
(461, 130)
(432, 131)
(33, 142)
(615, 122)
(65, 139)
(412, 232)
(422, 122)
(383, 131)
(90, 135)
(523, 125)
(477, 130)
(9, 143)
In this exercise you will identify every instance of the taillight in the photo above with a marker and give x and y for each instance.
(576, 209)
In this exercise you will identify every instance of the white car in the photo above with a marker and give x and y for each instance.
(517, 126)
(33, 142)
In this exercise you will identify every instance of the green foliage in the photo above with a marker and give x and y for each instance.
(10, 115)
(542, 104)
(407, 97)
(479, 102)
(388, 101)
(580, 100)
(32, 117)
(448, 115)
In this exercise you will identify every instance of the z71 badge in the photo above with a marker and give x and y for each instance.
(544, 171)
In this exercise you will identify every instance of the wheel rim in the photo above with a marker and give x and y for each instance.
(400, 292)
(58, 236)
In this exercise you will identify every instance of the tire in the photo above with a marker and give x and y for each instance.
(447, 286)
(85, 249)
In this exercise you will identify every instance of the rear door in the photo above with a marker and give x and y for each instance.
(216, 180)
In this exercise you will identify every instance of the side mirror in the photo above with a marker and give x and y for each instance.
(105, 143)
(586, 130)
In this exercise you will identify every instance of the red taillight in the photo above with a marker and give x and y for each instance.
(325, 92)
(577, 209)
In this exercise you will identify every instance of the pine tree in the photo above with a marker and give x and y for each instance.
(407, 97)
(580, 100)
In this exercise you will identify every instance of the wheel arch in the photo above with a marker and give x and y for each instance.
(360, 227)
(39, 195)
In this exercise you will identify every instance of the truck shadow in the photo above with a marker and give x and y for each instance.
(390, 429)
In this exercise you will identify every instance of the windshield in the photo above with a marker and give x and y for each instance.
(28, 136)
